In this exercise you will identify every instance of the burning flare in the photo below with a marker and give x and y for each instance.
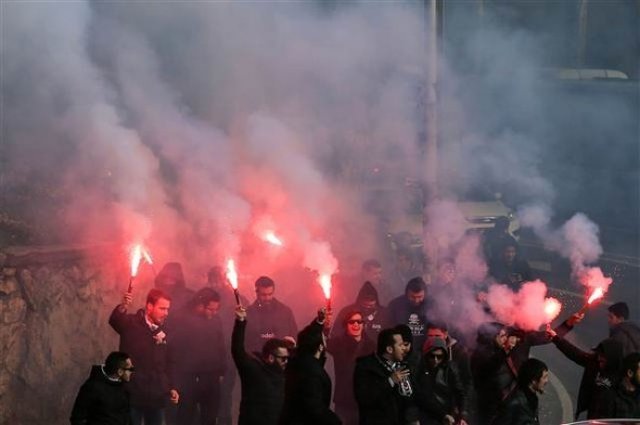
(595, 295)
(271, 237)
(552, 308)
(325, 282)
(232, 274)
(136, 254)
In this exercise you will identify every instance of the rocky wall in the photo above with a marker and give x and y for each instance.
(54, 307)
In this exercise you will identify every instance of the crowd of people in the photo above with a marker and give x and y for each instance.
(410, 362)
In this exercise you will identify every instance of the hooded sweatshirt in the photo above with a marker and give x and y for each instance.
(375, 319)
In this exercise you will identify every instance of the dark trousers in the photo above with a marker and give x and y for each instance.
(198, 390)
(226, 391)
(146, 416)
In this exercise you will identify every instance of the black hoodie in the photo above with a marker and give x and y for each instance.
(101, 401)
(375, 319)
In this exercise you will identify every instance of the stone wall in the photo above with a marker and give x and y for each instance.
(54, 307)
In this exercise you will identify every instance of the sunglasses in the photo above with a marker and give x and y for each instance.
(354, 322)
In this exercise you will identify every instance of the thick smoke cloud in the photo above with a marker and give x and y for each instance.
(193, 126)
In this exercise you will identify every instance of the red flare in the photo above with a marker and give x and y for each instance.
(325, 282)
(595, 295)
(135, 259)
(232, 274)
(272, 238)
(552, 308)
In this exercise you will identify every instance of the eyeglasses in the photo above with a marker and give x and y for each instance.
(355, 322)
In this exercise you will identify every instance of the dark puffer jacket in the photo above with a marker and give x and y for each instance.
(101, 401)
(262, 384)
(520, 408)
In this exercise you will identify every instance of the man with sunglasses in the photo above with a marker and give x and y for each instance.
(440, 395)
(350, 343)
(102, 399)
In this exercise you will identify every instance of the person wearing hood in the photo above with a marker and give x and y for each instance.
(440, 395)
(375, 316)
(623, 401)
(345, 349)
(261, 375)
(307, 392)
(171, 280)
(268, 317)
(412, 309)
(144, 337)
(102, 399)
(622, 329)
(521, 406)
(601, 371)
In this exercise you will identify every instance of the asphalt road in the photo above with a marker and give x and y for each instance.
(558, 403)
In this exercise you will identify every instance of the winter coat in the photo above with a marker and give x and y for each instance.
(520, 408)
(628, 333)
(262, 384)
(620, 403)
(595, 382)
(440, 391)
(273, 320)
(101, 401)
(345, 350)
(379, 403)
(150, 384)
(513, 275)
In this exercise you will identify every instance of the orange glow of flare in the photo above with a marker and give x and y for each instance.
(135, 259)
(272, 238)
(325, 282)
(552, 308)
(232, 274)
(595, 295)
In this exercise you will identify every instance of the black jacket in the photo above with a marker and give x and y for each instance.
(150, 384)
(101, 401)
(307, 393)
(495, 372)
(345, 350)
(513, 275)
(262, 384)
(595, 382)
(620, 403)
(379, 403)
(439, 393)
(628, 333)
(273, 320)
(403, 312)
(520, 408)
(375, 319)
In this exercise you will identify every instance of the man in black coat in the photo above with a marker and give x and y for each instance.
(308, 386)
(198, 356)
(102, 399)
(380, 383)
(144, 338)
(521, 406)
(261, 375)
(623, 401)
(267, 317)
(351, 343)
(509, 269)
